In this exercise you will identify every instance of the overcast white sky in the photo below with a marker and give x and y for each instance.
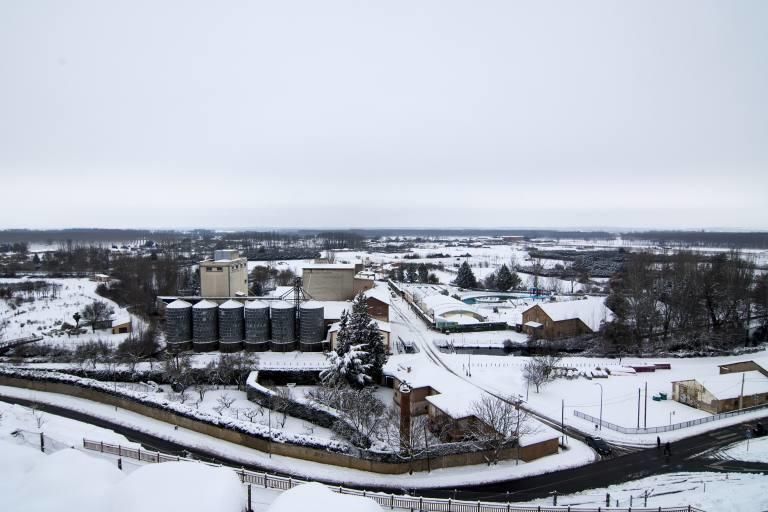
(391, 113)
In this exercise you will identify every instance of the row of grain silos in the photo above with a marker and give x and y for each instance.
(255, 326)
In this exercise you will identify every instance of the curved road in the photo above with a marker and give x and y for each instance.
(691, 454)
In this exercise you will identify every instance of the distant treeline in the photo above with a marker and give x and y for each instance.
(81, 235)
(468, 232)
(729, 239)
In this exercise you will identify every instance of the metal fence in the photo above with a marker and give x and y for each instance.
(665, 428)
(391, 501)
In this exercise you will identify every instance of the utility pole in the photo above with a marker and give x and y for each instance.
(741, 394)
(638, 408)
(562, 419)
(645, 416)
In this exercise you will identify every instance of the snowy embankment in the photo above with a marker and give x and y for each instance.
(754, 450)
(734, 492)
(577, 455)
(69, 480)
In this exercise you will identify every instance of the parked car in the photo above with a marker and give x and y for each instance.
(599, 445)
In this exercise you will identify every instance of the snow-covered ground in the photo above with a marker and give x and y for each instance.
(44, 316)
(503, 375)
(69, 480)
(241, 408)
(577, 454)
(734, 492)
(754, 450)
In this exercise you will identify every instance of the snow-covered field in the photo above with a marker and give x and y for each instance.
(44, 316)
(734, 492)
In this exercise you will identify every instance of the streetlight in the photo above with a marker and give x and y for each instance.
(601, 403)
(670, 416)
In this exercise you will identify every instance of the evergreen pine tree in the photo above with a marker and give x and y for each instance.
(465, 277)
(360, 351)
(504, 280)
(423, 273)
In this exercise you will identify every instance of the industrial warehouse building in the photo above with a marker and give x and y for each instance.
(335, 281)
(552, 320)
(224, 276)
(447, 311)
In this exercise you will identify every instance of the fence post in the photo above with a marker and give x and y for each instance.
(421, 504)
(102, 447)
(391, 501)
(249, 498)
(139, 452)
(265, 479)
(42, 442)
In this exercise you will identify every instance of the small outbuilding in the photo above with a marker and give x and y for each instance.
(723, 393)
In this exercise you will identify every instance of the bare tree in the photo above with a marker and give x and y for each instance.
(226, 400)
(251, 413)
(414, 443)
(361, 410)
(38, 417)
(498, 423)
(201, 388)
(534, 372)
(97, 311)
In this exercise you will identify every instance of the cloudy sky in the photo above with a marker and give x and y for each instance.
(392, 113)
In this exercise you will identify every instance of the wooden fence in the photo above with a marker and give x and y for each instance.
(390, 501)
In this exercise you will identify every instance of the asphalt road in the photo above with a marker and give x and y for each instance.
(692, 454)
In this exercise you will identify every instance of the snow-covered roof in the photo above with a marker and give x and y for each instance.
(204, 304)
(178, 304)
(256, 304)
(334, 308)
(330, 266)
(312, 304)
(455, 404)
(281, 304)
(535, 325)
(383, 326)
(379, 292)
(231, 304)
(439, 304)
(591, 310)
(728, 385)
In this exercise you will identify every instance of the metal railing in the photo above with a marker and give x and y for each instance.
(391, 501)
(665, 428)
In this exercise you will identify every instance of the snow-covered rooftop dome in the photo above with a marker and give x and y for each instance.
(231, 304)
(178, 304)
(256, 304)
(204, 304)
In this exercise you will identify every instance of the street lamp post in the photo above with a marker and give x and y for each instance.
(672, 413)
(601, 403)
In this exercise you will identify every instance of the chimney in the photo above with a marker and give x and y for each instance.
(405, 416)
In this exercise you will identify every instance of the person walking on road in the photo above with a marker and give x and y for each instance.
(667, 449)
(658, 443)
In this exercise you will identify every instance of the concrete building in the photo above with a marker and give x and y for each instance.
(553, 320)
(724, 392)
(334, 281)
(224, 276)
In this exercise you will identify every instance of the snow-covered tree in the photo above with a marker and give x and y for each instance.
(465, 278)
(360, 346)
(350, 367)
(97, 311)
